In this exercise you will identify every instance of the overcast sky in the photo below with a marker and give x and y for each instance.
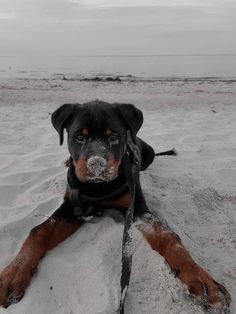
(104, 27)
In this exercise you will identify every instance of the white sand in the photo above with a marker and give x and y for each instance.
(194, 192)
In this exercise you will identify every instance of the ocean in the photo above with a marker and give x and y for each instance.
(140, 67)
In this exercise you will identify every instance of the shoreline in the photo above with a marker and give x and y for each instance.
(121, 78)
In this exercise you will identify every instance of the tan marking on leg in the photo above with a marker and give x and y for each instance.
(17, 275)
(198, 281)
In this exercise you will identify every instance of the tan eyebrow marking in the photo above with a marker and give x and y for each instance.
(108, 132)
(85, 131)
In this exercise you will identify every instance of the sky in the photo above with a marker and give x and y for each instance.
(114, 27)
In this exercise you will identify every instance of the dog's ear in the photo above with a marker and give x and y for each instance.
(132, 117)
(61, 117)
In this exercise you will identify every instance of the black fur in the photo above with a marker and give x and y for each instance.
(97, 116)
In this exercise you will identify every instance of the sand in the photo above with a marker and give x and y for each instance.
(194, 192)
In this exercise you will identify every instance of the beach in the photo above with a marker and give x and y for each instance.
(193, 191)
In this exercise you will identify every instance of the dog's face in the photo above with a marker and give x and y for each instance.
(97, 136)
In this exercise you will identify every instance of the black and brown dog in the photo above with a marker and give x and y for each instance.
(97, 142)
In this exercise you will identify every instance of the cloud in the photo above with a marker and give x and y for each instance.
(71, 10)
(150, 3)
(74, 27)
(7, 16)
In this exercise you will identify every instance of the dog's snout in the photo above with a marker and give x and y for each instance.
(96, 165)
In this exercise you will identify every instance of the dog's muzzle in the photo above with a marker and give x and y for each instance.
(96, 165)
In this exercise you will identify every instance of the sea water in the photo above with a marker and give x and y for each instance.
(138, 66)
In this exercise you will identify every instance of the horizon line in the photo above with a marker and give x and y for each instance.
(124, 55)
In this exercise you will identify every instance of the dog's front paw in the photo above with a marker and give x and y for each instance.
(202, 285)
(13, 281)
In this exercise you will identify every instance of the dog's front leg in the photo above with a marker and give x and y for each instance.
(198, 281)
(17, 275)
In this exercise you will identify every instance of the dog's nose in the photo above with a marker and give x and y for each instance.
(96, 165)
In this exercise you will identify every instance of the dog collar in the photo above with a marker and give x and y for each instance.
(86, 213)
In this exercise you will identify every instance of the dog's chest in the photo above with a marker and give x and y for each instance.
(85, 208)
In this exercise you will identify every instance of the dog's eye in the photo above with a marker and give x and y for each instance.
(80, 139)
(114, 138)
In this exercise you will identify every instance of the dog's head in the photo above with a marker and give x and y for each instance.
(97, 136)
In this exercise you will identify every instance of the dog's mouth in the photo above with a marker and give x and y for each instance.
(96, 169)
(105, 177)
